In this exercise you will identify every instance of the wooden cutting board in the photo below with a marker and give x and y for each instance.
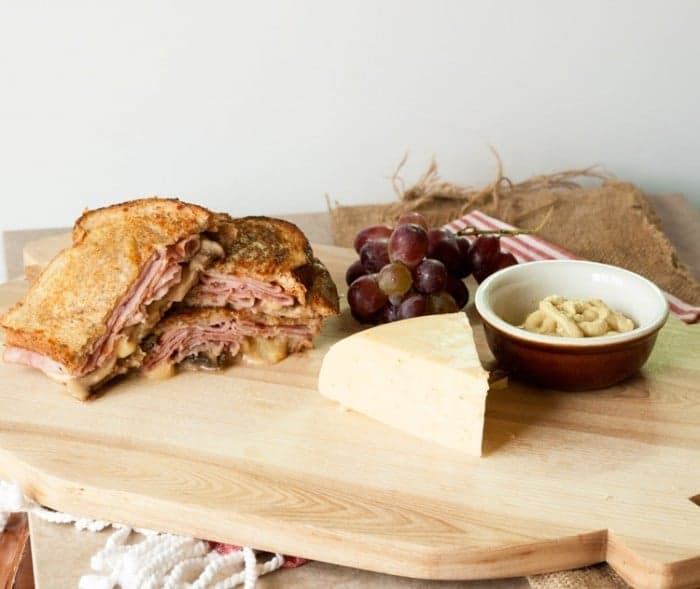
(256, 456)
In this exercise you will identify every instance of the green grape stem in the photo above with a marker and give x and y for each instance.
(467, 231)
(474, 231)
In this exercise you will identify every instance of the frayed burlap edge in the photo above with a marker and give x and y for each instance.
(430, 188)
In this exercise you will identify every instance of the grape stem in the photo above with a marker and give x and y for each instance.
(475, 231)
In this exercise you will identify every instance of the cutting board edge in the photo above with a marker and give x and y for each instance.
(394, 557)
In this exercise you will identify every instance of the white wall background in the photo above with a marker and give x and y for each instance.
(263, 107)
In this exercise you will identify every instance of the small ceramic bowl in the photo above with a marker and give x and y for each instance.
(505, 298)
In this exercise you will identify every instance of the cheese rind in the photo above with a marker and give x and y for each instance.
(421, 375)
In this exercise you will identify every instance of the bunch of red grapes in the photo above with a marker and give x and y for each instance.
(412, 270)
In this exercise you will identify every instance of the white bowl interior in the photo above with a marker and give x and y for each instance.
(515, 292)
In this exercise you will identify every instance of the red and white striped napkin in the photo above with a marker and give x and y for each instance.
(528, 248)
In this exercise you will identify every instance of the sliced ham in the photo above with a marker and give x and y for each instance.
(240, 292)
(16, 355)
(176, 344)
(159, 275)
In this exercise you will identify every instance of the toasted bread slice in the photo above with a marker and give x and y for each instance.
(67, 309)
(321, 291)
(271, 251)
(266, 249)
(262, 246)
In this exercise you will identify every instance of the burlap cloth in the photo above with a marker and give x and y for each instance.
(596, 577)
(611, 221)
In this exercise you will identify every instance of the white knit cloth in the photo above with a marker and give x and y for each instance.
(134, 558)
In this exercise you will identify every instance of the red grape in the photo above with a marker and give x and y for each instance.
(449, 249)
(435, 236)
(387, 314)
(395, 279)
(448, 253)
(413, 217)
(365, 297)
(441, 302)
(503, 260)
(480, 274)
(482, 251)
(498, 262)
(396, 300)
(457, 290)
(374, 255)
(408, 244)
(412, 306)
(430, 276)
(464, 266)
(370, 233)
(355, 270)
(463, 245)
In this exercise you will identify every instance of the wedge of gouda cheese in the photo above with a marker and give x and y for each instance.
(421, 375)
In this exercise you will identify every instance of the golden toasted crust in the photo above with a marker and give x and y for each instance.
(68, 306)
(322, 294)
(265, 248)
(159, 221)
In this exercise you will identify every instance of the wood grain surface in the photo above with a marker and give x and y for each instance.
(13, 545)
(255, 455)
(67, 552)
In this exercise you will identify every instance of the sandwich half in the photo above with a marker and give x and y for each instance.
(265, 299)
(84, 318)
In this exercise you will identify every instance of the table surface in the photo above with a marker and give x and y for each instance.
(62, 553)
